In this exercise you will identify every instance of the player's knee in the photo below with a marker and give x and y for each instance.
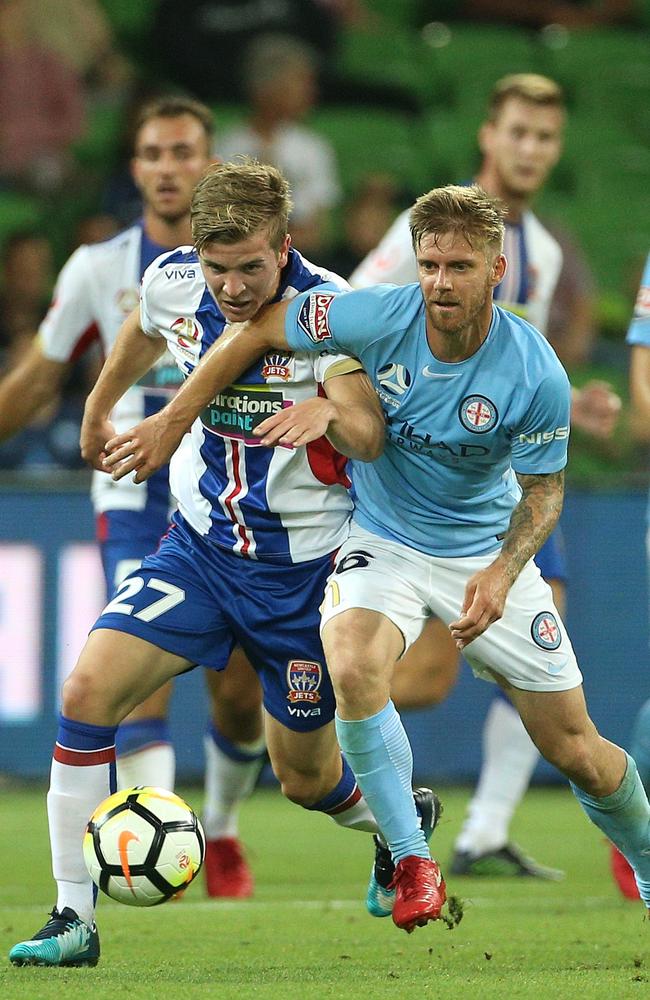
(353, 678)
(82, 696)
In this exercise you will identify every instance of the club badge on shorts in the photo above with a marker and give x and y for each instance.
(304, 679)
(546, 631)
(477, 414)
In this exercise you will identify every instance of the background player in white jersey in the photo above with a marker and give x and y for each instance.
(96, 290)
(520, 141)
(250, 547)
(638, 337)
(446, 522)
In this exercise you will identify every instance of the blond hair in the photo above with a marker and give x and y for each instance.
(465, 210)
(531, 87)
(233, 201)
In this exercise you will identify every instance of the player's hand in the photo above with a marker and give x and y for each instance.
(297, 425)
(485, 599)
(92, 439)
(595, 409)
(144, 449)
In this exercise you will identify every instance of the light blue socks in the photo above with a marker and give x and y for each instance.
(624, 818)
(379, 753)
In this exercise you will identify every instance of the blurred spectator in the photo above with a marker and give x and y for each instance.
(27, 272)
(366, 216)
(26, 285)
(198, 45)
(79, 32)
(41, 106)
(280, 83)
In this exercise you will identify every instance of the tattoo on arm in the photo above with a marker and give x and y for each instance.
(533, 519)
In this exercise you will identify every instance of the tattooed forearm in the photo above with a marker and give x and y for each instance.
(533, 519)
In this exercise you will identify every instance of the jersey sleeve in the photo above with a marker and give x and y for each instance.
(328, 366)
(639, 329)
(346, 322)
(541, 438)
(392, 260)
(150, 319)
(70, 323)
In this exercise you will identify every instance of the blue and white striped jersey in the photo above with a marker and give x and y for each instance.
(273, 504)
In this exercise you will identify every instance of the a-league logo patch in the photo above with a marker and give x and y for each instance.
(312, 317)
(188, 331)
(546, 631)
(478, 414)
(304, 678)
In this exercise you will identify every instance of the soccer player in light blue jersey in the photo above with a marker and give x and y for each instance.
(446, 521)
(638, 337)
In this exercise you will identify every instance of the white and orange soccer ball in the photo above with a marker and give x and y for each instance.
(143, 845)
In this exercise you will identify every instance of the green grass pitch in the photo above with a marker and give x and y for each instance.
(307, 935)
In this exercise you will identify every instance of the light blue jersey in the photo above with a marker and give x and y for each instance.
(639, 329)
(638, 334)
(455, 433)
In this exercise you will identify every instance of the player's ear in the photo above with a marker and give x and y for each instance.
(284, 251)
(498, 270)
(484, 136)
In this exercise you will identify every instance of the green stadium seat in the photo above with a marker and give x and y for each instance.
(226, 116)
(367, 140)
(604, 72)
(130, 19)
(99, 144)
(465, 60)
(384, 57)
(451, 146)
(18, 211)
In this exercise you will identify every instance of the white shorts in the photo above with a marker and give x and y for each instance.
(528, 646)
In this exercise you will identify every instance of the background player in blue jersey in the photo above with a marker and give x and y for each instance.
(96, 289)
(446, 521)
(638, 337)
(521, 142)
(250, 547)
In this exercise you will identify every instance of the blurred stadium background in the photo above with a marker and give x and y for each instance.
(442, 69)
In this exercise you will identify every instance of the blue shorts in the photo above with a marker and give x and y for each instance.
(199, 601)
(551, 558)
(125, 538)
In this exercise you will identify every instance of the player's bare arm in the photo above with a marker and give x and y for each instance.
(148, 446)
(531, 522)
(350, 417)
(640, 391)
(132, 356)
(25, 389)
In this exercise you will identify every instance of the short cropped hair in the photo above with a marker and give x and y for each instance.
(175, 106)
(467, 211)
(531, 87)
(233, 201)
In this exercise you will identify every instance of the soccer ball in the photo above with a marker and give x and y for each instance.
(143, 845)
